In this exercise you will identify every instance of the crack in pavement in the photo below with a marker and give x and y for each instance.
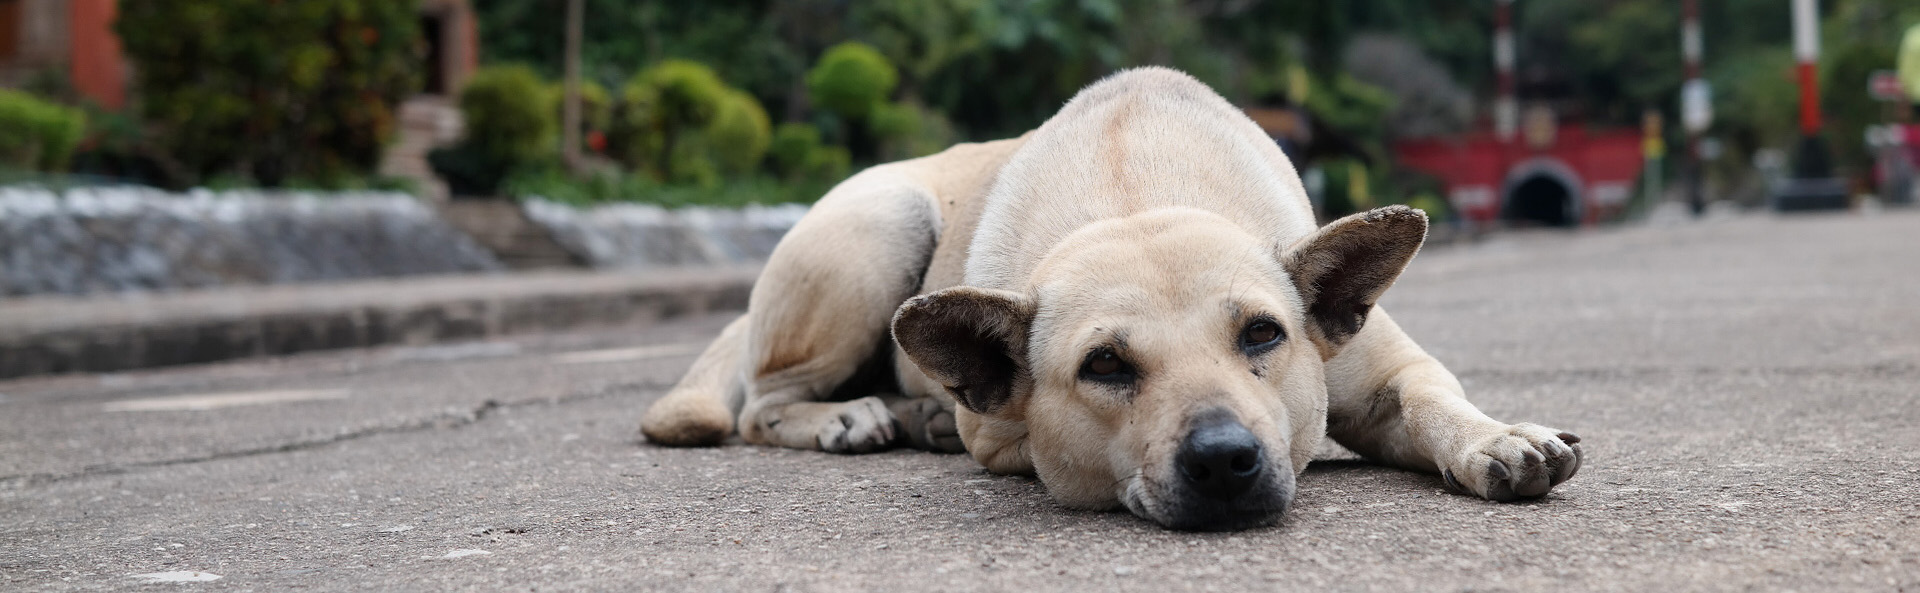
(442, 421)
(455, 420)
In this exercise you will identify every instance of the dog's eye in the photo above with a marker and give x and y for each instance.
(1105, 366)
(1261, 336)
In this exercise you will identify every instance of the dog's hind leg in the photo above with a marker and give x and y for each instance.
(822, 308)
(699, 411)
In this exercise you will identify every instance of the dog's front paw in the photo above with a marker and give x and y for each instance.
(928, 425)
(863, 426)
(1523, 461)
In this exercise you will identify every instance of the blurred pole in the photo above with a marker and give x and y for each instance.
(1691, 98)
(1812, 184)
(570, 110)
(1653, 148)
(1506, 107)
(1806, 49)
(1813, 160)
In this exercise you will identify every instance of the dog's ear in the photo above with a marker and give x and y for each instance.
(1341, 269)
(971, 340)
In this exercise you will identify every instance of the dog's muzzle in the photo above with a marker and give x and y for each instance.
(1224, 477)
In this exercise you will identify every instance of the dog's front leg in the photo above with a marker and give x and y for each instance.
(1392, 402)
(859, 426)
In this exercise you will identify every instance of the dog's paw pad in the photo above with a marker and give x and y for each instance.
(1523, 461)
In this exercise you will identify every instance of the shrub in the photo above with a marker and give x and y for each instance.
(907, 130)
(271, 90)
(739, 134)
(511, 115)
(799, 156)
(658, 108)
(851, 79)
(511, 124)
(40, 135)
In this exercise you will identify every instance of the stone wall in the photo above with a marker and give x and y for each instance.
(115, 239)
(629, 236)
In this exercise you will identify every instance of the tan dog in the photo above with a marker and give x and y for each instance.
(1131, 302)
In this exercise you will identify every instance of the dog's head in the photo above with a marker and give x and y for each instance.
(1168, 361)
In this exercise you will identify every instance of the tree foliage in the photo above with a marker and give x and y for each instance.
(981, 69)
(271, 90)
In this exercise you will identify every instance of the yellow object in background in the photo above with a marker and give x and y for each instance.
(1910, 64)
(1357, 186)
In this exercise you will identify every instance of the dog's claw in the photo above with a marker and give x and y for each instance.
(1498, 470)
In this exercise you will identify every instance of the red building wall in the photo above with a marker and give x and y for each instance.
(98, 69)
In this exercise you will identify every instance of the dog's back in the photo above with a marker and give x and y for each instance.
(1139, 140)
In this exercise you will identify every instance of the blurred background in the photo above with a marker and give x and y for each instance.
(155, 146)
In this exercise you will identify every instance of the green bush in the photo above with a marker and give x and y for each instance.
(658, 108)
(739, 134)
(40, 135)
(510, 114)
(907, 130)
(798, 155)
(851, 79)
(271, 90)
(511, 124)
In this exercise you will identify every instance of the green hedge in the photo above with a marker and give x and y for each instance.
(40, 135)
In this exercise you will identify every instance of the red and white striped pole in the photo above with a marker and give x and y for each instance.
(1690, 42)
(1806, 49)
(1812, 184)
(1506, 108)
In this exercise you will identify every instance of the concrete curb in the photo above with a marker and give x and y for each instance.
(66, 335)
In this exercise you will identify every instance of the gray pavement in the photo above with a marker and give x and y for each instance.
(1748, 391)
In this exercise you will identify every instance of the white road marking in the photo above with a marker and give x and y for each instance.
(629, 354)
(466, 553)
(212, 401)
(454, 352)
(178, 576)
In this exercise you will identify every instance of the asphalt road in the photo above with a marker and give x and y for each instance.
(1748, 390)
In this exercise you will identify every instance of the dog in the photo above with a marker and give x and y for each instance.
(1131, 302)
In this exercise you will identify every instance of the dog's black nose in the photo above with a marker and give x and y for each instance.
(1220, 459)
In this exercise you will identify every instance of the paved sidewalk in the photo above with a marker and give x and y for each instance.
(43, 335)
(1748, 391)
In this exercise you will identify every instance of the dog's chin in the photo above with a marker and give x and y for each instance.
(1184, 510)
